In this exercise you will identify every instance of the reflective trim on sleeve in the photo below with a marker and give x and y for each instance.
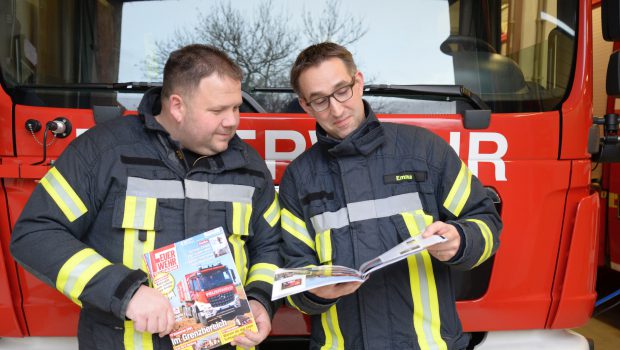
(331, 328)
(139, 213)
(134, 249)
(218, 192)
(241, 262)
(154, 188)
(293, 305)
(272, 214)
(330, 220)
(324, 246)
(262, 272)
(426, 318)
(77, 271)
(134, 340)
(384, 207)
(63, 195)
(487, 236)
(296, 227)
(459, 193)
(242, 212)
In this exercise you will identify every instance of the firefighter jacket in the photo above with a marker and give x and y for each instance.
(123, 189)
(346, 202)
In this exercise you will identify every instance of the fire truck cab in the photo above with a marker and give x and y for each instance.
(508, 83)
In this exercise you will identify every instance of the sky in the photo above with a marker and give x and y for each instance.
(388, 53)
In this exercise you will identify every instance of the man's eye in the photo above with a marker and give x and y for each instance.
(342, 91)
(320, 101)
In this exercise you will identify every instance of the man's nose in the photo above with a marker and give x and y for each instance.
(231, 119)
(335, 106)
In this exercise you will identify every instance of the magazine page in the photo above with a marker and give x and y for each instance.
(199, 277)
(400, 252)
(296, 280)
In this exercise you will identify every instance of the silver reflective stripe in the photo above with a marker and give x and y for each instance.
(154, 188)
(380, 208)
(218, 192)
(426, 307)
(77, 271)
(330, 220)
(64, 196)
(365, 210)
(140, 212)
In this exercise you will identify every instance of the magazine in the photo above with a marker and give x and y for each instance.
(288, 281)
(199, 277)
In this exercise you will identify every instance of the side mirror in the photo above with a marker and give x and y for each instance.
(610, 19)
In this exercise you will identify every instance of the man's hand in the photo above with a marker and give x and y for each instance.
(446, 250)
(336, 290)
(150, 311)
(263, 323)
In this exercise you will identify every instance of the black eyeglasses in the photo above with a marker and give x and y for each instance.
(341, 95)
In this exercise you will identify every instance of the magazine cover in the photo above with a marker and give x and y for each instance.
(288, 281)
(199, 277)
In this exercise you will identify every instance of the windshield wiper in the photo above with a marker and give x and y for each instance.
(432, 92)
(126, 86)
(444, 92)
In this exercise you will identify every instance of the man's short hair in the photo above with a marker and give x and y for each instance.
(316, 54)
(187, 66)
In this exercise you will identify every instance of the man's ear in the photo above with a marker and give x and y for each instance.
(176, 107)
(359, 77)
(305, 106)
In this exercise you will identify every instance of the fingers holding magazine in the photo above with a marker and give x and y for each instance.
(335, 291)
(447, 249)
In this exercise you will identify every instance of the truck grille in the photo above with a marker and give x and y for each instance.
(222, 299)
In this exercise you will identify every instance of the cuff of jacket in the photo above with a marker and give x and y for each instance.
(312, 304)
(125, 291)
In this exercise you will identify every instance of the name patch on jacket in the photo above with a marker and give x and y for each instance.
(405, 176)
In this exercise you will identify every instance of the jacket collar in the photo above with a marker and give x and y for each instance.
(364, 140)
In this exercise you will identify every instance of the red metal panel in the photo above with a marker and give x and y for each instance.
(41, 303)
(6, 120)
(578, 290)
(25, 143)
(577, 110)
(12, 323)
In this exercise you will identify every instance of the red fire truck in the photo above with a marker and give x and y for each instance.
(208, 292)
(508, 83)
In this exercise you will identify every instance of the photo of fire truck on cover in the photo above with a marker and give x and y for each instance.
(199, 277)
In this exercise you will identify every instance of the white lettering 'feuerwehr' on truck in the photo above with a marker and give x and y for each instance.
(475, 157)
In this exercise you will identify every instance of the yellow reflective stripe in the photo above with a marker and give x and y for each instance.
(488, 240)
(134, 340)
(130, 212)
(241, 218)
(262, 272)
(272, 215)
(63, 195)
(139, 213)
(426, 319)
(239, 256)
(241, 348)
(134, 249)
(324, 246)
(77, 271)
(296, 227)
(292, 304)
(331, 328)
(459, 193)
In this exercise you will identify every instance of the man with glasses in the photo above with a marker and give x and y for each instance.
(361, 189)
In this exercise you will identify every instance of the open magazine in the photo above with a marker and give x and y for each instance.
(199, 277)
(295, 280)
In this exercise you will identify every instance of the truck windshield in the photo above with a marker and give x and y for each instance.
(516, 55)
(213, 279)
